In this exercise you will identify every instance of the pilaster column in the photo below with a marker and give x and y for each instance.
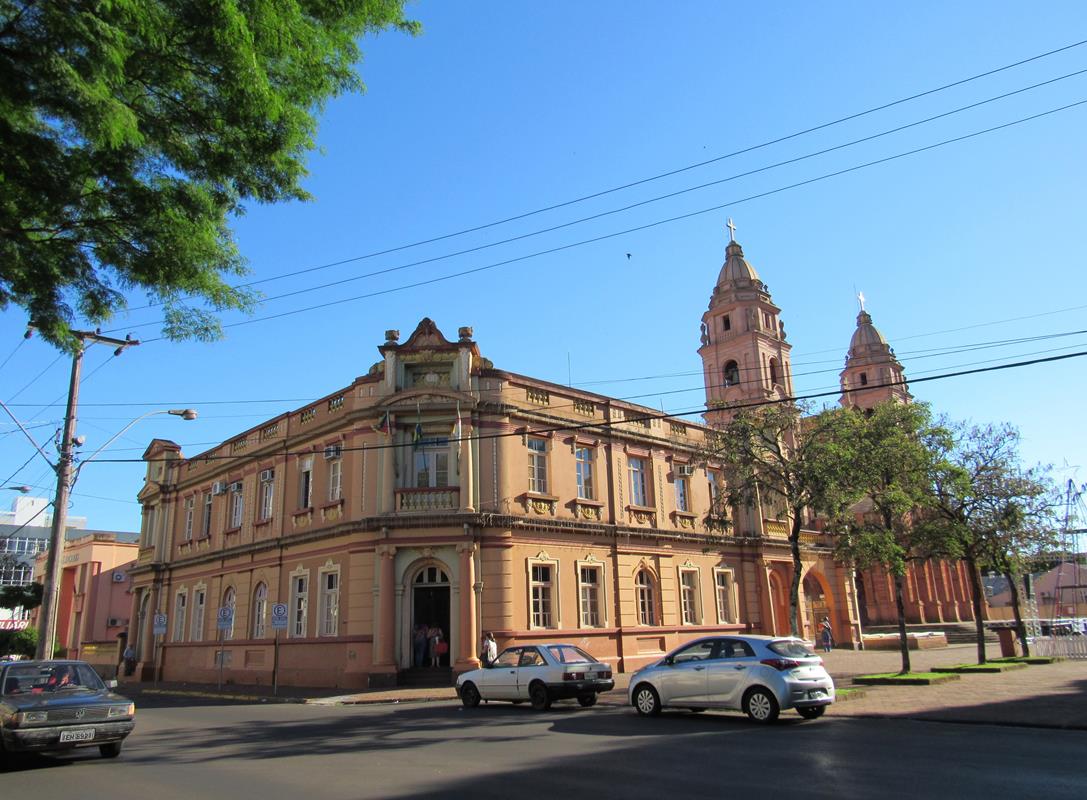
(469, 636)
(467, 469)
(386, 501)
(386, 618)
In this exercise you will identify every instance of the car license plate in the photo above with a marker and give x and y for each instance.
(77, 735)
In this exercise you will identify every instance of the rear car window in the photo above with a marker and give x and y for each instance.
(791, 648)
(569, 654)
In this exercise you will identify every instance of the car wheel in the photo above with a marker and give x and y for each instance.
(761, 705)
(587, 700)
(111, 750)
(469, 695)
(537, 693)
(811, 712)
(647, 701)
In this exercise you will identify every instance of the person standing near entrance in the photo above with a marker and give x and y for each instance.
(129, 658)
(434, 635)
(827, 635)
(489, 651)
(419, 644)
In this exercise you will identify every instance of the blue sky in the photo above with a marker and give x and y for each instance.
(499, 109)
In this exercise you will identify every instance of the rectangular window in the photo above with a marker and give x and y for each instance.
(205, 528)
(584, 458)
(683, 500)
(330, 603)
(432, 464)
(305, 482)
(179, 616)
(590, 597)
(537, 465)
(639, 469)
(148, 527)
(688, 587)
(541, 596)
(712, 478)
(190, 511)
(198, 598)
(267, 495)
(723, 581)
(299, 605)
(334, 485)
(237, 508)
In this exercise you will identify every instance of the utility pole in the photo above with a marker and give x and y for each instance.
(47, 619)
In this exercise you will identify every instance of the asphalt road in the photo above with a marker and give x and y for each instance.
(431, 750)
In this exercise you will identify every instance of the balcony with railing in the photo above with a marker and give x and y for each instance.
(445, 498)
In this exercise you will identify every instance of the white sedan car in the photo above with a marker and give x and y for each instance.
(760, 675)
(540, 673)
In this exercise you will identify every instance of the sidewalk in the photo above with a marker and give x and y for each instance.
(1050, 696)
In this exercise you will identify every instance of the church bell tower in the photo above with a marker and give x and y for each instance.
(745, 358)
(872, 374)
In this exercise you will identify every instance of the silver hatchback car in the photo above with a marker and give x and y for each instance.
(760, 675)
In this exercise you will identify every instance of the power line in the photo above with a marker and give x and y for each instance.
(647, 226)
(576, 426)
(631, 206)
(669, 173)
(36, 377)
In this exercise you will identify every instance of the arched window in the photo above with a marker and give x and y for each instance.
(229, 601)
(646, 602)
(864, 379)
(774, 377)
(432, 575)
(731, 373)
(726, 323)
(260, 610)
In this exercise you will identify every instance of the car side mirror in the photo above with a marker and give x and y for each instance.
(668, 661)
(112, 684)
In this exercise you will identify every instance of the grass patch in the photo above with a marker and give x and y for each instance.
(1025, 660)
(848, 694)
(981, 668)
(909, 679)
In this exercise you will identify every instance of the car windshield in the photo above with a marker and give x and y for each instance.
(569, 654)
(791, 648)
(50, 677)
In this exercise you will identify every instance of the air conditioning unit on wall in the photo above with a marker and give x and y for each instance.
(236, 487)
(267, 475)
(333, 451)
(119, 577)
(683, 470)
(116, 622)
(219, 487)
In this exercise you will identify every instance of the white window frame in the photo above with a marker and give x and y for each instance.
(537, 464)
(727, 612)
(601, 605)
(584, 469)
(267, 498)
(260, 611)
(639, 480)
(205, 528)
(682, 486)
(237, 508)
(199, 604)
(690, 599)
(230, 598)
(181, 600)
(538, 620)
(335, 480)
(299, 608)
(328, 602)
(645, 597)
(190, 513)
(305, 482)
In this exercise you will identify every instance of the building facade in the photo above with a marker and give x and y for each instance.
(438, 490)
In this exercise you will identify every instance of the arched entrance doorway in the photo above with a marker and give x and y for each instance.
(779, 604)
(430, 607)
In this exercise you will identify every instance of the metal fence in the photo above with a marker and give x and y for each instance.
(1060, 646)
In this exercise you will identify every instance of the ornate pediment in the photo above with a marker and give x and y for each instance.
(426, 334)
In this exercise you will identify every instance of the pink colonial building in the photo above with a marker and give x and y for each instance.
(442, 491)
(94, 597)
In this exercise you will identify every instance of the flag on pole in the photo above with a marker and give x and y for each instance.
(384, 424)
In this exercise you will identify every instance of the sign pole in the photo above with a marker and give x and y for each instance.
(158, 628)
(221, 660)
(279, 623)
(275, 666)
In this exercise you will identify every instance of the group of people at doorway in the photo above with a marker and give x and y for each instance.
(428, 645)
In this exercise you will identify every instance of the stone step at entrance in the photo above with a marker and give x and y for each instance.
(956, 632)
(425, 677)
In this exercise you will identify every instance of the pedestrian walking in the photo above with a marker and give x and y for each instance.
(489, 651)
(419, 645)
(827, 635)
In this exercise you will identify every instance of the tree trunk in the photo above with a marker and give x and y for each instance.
(903, 642)
(1020, 628)
(794, 586)
(975, 591)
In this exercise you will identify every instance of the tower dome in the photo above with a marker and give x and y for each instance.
(872, 373)
(736, 269)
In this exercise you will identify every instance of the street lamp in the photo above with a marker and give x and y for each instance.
(20, 489)
(47, 621)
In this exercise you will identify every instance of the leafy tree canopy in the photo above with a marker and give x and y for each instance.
(131, 130)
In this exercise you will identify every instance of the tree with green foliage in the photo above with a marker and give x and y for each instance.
(985, 506)
(133, 130)
(19, 643)
(895, 458)
(780, 462)
(28, 596)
